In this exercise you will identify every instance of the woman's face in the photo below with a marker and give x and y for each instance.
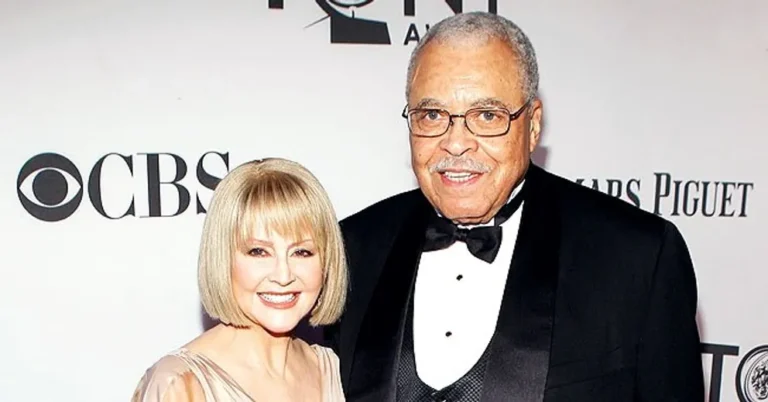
(276, 281)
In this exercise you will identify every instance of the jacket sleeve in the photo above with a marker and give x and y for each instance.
(669, 353)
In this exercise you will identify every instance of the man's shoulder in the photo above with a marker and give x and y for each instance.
(373, 228)
(589, 205)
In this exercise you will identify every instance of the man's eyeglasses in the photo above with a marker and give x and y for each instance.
(482, 122)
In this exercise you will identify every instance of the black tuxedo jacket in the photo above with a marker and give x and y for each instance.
(599, 305)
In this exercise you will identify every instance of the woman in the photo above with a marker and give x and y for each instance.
(271, 254)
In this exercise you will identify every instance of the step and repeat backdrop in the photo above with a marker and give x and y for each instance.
(118, 118)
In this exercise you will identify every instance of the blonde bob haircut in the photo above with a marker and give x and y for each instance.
(287, 199)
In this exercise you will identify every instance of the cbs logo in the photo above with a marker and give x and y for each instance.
(50, 186)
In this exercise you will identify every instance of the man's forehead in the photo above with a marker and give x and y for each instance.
(441, 83)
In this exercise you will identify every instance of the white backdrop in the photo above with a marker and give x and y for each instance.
(641, 93)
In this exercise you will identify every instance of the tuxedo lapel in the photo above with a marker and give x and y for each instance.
(374, 371)
(519, 361)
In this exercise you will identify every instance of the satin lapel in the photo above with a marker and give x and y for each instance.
(374, 371)
(519, 361)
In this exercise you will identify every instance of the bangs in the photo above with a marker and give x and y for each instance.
(279, 203)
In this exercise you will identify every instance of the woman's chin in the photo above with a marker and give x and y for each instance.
(279, 324)
(281, 329)
(280, 321)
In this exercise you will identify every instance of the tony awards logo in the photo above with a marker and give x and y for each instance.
(363, 23)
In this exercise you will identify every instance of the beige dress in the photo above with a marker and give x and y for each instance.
(177, 370)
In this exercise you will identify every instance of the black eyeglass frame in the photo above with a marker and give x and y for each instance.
(512, 117)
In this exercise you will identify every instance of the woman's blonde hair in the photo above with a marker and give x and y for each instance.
(286, 198)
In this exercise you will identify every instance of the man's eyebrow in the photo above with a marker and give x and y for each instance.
(489, 102)
(430, 103)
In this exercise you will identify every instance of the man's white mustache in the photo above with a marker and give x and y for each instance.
(467, 165)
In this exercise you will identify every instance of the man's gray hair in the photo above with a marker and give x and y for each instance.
(483, 26)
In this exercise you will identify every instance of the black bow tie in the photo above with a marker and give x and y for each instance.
(483, 242)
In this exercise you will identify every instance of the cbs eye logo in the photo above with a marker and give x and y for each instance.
(49, 187)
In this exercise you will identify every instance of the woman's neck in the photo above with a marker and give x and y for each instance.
(257, 348)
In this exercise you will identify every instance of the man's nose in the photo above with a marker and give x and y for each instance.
(458, 140)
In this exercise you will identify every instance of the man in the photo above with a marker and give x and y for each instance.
(557, 293)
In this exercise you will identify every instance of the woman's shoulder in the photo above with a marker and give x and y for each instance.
(326, 357)
(322, 350)
(170, 379)
(329, 367)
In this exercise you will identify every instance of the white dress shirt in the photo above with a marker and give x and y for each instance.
(456, 306)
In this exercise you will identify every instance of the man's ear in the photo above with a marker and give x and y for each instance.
(534, 124)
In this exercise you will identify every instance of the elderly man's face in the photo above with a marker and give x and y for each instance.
(469, 178)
